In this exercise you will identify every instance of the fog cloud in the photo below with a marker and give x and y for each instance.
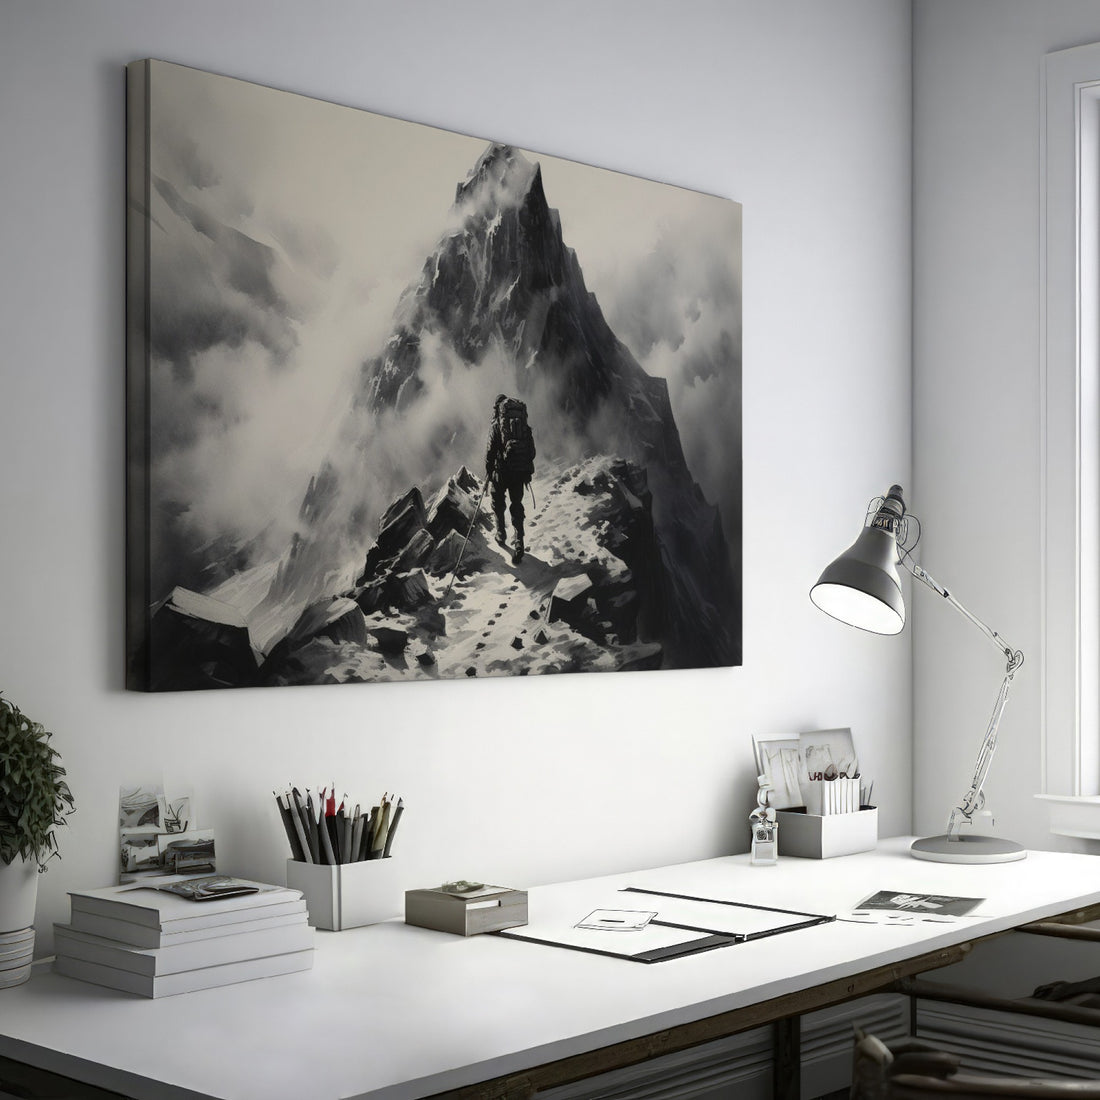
(678, 308)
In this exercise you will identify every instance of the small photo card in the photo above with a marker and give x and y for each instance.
(139, 807)
(176, 814)
(617, 920)
(941, 905)
(895, 907)
(210, 888)
(187, 853)
(138, 849)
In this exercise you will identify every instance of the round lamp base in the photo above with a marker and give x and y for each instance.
(967, 849)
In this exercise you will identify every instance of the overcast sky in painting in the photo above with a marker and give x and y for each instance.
(283, 232)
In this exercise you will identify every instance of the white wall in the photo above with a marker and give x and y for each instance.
(800, 110)
(976, 411)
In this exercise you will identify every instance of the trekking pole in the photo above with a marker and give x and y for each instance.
(469, 531)
(534, 503)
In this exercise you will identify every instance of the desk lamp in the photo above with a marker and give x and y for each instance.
(862, 588)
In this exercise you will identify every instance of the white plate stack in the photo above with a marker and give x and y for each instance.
(16, 955)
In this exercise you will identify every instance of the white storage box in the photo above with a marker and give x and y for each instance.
(487, 909)
(816, 837)
(350, 894)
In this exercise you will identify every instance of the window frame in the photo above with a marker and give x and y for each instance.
(1070, 422)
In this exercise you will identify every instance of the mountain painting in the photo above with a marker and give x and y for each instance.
(326, 310)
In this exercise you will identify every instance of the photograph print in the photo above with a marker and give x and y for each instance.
(827, 754)
(405, 404)
(779, 761)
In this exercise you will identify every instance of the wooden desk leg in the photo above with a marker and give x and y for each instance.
(787, 1058)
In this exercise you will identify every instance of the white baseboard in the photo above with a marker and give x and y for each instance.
(741, 1066)
(988, 1041)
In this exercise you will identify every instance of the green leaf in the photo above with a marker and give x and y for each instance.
(34, 797)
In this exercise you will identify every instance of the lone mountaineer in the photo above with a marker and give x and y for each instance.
(509, 465)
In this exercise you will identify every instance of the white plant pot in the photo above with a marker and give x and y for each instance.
(18, 894)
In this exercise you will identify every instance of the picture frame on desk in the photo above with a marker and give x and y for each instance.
(779, 760)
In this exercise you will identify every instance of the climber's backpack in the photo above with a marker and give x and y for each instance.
(517, 457)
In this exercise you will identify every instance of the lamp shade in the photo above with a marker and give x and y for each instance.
(862, 587)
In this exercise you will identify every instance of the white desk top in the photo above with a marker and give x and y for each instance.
(393, 1012)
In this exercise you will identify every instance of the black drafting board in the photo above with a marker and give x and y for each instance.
(684, 925)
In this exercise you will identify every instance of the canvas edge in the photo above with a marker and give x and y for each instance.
(137, 375)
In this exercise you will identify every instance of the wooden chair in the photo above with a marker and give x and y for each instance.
(916, 1071)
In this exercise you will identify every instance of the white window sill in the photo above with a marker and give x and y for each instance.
(1073, 815)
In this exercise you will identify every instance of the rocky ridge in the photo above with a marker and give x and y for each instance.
(586, 597)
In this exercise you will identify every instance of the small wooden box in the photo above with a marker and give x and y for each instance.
(821, 837)
(348, 895)
(486, 910)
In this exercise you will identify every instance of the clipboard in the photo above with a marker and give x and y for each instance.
(685, 925)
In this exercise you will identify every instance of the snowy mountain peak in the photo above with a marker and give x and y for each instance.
(507, 291)
(502, 177)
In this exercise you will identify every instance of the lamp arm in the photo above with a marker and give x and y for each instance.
(1013, 656)
(974, 798)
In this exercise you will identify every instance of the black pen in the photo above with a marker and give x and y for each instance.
(314, 831)
(292, 826)
(303, 816)
(326, 827)
(364, 851)
(339, 840)
(393, 826)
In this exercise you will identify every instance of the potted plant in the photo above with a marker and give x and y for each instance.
(34, 800)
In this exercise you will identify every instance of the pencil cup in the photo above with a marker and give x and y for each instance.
(349, 895)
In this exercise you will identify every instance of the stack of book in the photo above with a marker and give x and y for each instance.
(144, 939)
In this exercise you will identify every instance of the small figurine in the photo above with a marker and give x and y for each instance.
(765, 828)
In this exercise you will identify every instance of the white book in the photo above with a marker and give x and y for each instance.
(168, 985)
(140, 935)
(185, 956)
(144, 903)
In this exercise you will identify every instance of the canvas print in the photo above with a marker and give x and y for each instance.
(405, 404)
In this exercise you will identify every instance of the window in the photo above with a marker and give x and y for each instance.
(1070, 395)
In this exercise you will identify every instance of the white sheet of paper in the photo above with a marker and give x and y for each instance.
(702, 919)
(617, 920)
